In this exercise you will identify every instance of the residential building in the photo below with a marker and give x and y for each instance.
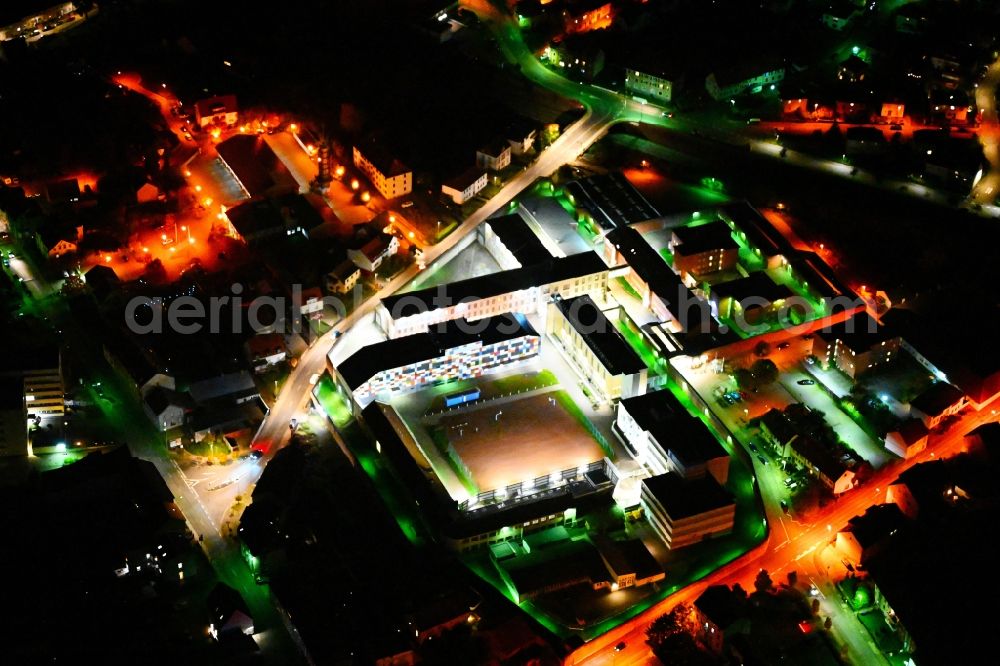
(705, 248)
(102, 280)
(893, 112)
(20, 19)
(683, 512)
(839, 14)
(371, 255)
(521, 134)
(44, 390)
(216, 111)
(454, 350)
(390, 177)
(938, 402)
(226, 422)
(650, 82)
(343, 277)
(909, 439)
(494, 156)
(58, 241)
(866, 535)
(255, 167)
(234, 388)
(664, 437)
(166, 408)
(511, 242)
(598, 352)
(265, 350)
(465, 186)
(229, 614)
(744, 77)
(578, 56)
(720, 610)
(587, 15)
(825, 464)
(525, 290)
(855, 345)
(777, 429)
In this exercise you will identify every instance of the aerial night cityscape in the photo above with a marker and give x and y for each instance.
(501, 332)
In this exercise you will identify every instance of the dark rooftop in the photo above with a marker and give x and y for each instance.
(939, 397)
(551, 270)
(721, 605)
(254, 163)
(876, 523)
(612, 200)
(464, 179)
(912, 430)
(715, 235)
(601, 336)
(821, 457)
(685, 436)
(628, 556)
(378, 153)
(655, 272)
(683, 498)
(519, 239)
(859, 333)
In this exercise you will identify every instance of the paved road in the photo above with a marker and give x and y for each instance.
(781, 553)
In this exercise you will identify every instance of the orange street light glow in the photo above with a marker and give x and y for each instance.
(355, 184)
(339, 171)
(366, 197)
(411, 235)
(392, 218)
(187, 173)
(107, 258)
(208, 201)
(197, 188)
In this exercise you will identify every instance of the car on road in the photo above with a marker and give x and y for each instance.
(805, 382)
(256, 454)
(847, 565)
(784, 345)
(784, 506)
(621, 646)
(762, 459)
(896, 127)
(753, 447)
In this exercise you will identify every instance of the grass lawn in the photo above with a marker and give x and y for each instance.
(628, 288)
(332, 402)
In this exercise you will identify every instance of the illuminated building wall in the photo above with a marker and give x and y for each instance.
(658, 88)
(395, 183)
(597, 18)
(527, 301)
(462, 362)
(24, 26)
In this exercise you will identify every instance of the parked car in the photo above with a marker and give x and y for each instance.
(805, 382)
(784, 345)
(762, 459)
